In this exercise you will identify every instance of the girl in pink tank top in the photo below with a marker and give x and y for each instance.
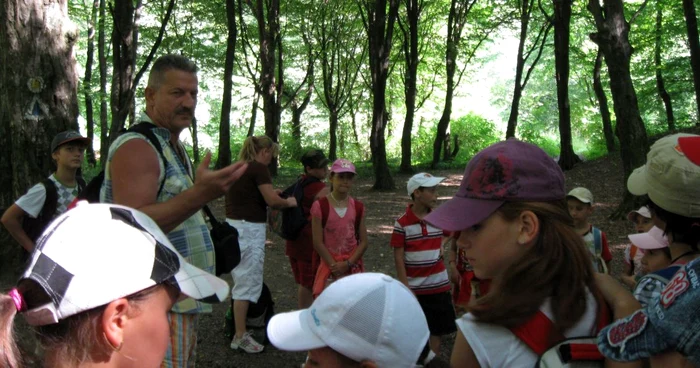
(338, 227)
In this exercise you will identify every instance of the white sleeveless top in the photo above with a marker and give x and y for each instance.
(496, 346)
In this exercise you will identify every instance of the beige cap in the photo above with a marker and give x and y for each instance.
(582, 194)
(670, 179)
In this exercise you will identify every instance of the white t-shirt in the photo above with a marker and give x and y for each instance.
(33, 201)
(496, 346)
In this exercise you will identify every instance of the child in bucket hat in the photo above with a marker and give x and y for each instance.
(516, 230)
(671, 179)
(92, 296)
(369, 319)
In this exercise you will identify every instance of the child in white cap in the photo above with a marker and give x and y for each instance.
(367, 320)
(418, 257)
(641, 219)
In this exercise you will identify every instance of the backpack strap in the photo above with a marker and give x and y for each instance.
(48, 211)
(539, 335)
(325, 208)
(536, 333)
(359, 212)
(597, 241)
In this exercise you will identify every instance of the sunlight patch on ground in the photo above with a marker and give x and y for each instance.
(383, 229)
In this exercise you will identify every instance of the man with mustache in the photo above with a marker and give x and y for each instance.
(170, 192)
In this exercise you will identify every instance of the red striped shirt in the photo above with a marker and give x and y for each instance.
(423, 260)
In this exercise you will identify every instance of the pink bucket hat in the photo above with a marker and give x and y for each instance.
(342, 165)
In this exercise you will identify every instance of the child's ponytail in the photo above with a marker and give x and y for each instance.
(9, 353)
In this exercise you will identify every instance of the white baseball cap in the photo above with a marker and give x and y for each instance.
(671, 176)
(97, 253)
(642, 211)
(582, 194)
(654, 239)
(365, 316)
(422, 180)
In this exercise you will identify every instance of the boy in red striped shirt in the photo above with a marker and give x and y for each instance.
(418, 256)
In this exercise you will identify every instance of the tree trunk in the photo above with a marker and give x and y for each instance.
(410, 45)
(613, 39)
(253, 114)
(457, 18)
(691, 23)
(380, 29)
(333, 132)
(102, 60)
(519, 67)
(660, 84)
(87, 84)
(224, 158)
(603, 103)
(522, 77)
(123, 64)
(267, 15)
(38, 97)
(195, 142)
(453, 38)
(562, 23)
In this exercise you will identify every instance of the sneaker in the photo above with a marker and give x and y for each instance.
(247, 344)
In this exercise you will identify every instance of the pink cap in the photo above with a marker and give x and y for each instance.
(654, 239)
(342, 165)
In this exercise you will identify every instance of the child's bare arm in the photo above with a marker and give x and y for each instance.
(319, 247)
(399, 259)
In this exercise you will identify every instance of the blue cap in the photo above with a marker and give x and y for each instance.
(670, 323)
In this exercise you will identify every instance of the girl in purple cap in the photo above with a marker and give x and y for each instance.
(516, 231)
(338, 228)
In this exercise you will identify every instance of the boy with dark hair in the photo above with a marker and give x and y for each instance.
(301, 250)
(418, 256)
(580, 203)
(67, 150)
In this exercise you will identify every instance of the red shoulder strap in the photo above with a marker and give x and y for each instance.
(325, 207)
(535, 333)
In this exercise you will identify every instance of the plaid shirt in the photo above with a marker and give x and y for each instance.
(191, 238)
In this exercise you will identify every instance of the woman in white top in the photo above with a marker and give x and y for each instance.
(517, 232)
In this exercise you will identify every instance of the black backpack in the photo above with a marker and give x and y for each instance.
(91, 193)
(288, 222)
(35, 226)
(258, 317)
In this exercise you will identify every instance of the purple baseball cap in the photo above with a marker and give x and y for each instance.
(507, 171)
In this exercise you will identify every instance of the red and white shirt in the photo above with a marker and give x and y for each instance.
(422, 244)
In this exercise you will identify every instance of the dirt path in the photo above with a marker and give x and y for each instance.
(602, 177)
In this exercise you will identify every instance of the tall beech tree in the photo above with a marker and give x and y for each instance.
(38, 96)
(612, 37)
(561, 19)
(456, 20)
(378, 17)
(224, 158)
(125, 78)
(525, 8)
(658, 67)
(602, 99)
(340, 52)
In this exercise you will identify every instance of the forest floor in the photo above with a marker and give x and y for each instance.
(603, 177)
